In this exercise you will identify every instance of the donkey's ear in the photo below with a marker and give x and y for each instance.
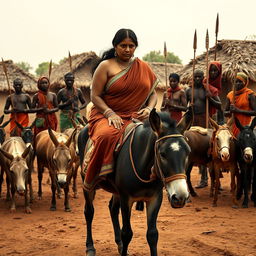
(155, 121)
(213, 124)
(238, 124)
(1, 119)
(253, 123)
(186, 121)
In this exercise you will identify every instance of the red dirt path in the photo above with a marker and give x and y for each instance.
(197, 229)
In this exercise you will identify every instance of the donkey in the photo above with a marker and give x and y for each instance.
(224, 157)
(68, 132)
(2, 139)
(14, 155)
(246, 142)
(53, 151)
(154, 156)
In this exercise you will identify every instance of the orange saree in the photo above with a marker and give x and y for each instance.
(242, 102)
(125, 93)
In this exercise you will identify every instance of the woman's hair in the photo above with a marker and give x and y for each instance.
(120, 35)
(174, 76)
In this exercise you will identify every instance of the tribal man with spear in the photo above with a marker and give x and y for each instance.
(68, 100)
(20, 105)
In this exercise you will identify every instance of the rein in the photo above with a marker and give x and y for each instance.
(156, 164)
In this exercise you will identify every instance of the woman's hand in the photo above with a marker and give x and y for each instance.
(144, 113)
(115, 120)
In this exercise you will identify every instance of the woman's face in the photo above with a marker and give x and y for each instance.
(44, 85)
(213, 72)
(239, 84)
(173, 82)
(125, 49)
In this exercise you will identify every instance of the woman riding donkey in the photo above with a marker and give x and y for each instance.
(122, 89)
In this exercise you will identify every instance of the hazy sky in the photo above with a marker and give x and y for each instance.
(35, 31)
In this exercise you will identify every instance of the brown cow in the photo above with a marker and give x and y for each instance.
(53, 151)
(15, 156)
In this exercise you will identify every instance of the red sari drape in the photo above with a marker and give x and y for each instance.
(125, 93)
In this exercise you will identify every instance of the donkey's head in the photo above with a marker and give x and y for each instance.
(246, 140)
(171, 155)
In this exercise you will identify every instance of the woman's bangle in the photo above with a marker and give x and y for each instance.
(108, 112)
(149, 108)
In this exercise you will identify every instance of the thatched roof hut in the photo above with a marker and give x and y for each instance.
(81, 67)
(13, 71)
(234, 55)
(159, 70)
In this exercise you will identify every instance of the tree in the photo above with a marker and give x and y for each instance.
(24, 65)
(43, 68)
(156, 56)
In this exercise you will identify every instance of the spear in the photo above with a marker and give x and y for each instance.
(70, 61)
(194, 62)
(165, 61)
(50, 71)
(216, 36)
(207, 77)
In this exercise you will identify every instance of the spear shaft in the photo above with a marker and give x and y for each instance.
(9, 86)
(207, 79)
(194, 63)
(165, 62)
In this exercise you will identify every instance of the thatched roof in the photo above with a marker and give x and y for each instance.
(13, 72)
(159, 70)
(233, 54)
(81, 67)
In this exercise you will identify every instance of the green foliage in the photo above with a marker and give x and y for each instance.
(156, 56)
(24, 65)
(43, 68)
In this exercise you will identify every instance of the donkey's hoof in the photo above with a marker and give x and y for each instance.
(28, 210)
(214, 204)
(13, 210)
(235, 206)
(53, 208)
(90, 252)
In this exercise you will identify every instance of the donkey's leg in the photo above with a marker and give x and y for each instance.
(253, 195)
(8, 184)
(126, 233)
(190, 187)
(31, 197)
(13, 204)
(40, 171)
(216, 186)
(1, 179)
(246, 182)
(233, 187)
(27, 206)
(153, 208)
(53, 187)
(114, 206)
(89, 214)
(74, 188)
(66, 200)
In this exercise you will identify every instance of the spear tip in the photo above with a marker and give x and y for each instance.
(195, 41)
(207, 40)
(217, 25)
(165, 50)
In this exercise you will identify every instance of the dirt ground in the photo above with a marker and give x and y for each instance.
(196, 229)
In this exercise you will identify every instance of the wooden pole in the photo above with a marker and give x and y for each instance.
(194, 63)
(9, 86)
(165, 62)
(207, 79)
(216, 36)
(50, 71)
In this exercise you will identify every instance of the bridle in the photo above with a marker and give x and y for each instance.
(157, 168)
(215, 146)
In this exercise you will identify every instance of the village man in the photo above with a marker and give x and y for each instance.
(68, 100)
(45, 104)
(174, 99)
(18, 105)
(199, 107)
